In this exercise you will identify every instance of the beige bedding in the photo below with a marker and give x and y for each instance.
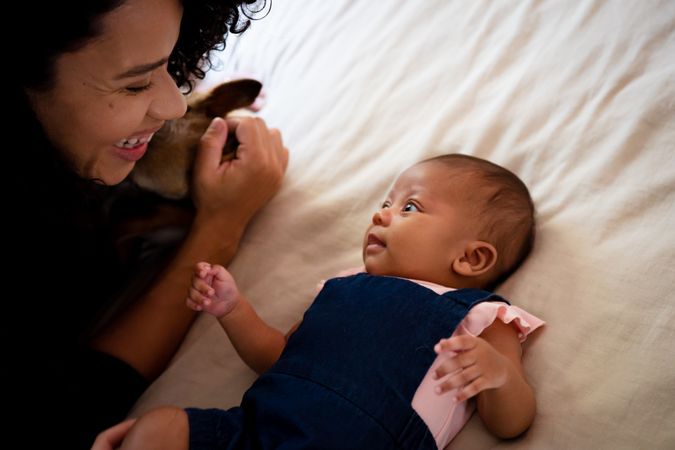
(577, 97)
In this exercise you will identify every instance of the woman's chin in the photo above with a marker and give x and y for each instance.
(111, 177)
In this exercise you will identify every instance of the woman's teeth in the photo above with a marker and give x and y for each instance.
(133, 142)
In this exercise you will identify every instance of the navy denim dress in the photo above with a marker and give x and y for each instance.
(348, 374)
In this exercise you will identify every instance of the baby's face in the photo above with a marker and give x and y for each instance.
(422, 226)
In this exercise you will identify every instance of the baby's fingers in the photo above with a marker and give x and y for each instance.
(456, 344)
(472, 389)
(453, 363)
(196, 300)
(202, 269)
(193, 305)
(202, 287)
(462, 380)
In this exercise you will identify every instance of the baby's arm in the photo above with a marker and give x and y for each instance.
(214, 291)
(489, 367)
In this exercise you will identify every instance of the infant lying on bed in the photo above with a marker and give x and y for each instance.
(370, 365)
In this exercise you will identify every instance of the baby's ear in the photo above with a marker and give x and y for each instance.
(478, 258)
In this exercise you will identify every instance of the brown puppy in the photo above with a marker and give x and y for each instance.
(166, 168)
(153, 207)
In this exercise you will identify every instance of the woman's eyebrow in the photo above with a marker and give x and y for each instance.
(142, 69)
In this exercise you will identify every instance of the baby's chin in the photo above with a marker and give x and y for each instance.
(370, 267)
(375, 269)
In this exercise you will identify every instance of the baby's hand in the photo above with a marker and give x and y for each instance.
(472, 366)
(213, 290)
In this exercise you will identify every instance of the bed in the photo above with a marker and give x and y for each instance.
(578, 98)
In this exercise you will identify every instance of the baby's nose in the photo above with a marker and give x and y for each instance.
(382, 217)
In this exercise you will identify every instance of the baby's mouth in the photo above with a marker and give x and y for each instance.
(134, 142)
(374, 240)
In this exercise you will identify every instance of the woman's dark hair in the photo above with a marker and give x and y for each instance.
(204, 27)
(44, 32)
(64, 26)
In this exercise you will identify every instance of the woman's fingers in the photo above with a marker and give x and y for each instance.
(258, 143)
(235, 190)
(211, 145)
(111, 438)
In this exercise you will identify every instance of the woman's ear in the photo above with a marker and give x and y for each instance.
(478, 258)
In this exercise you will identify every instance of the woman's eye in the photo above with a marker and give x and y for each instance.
(138, 89)
(410, 207)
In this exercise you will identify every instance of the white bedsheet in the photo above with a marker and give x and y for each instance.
(578, 98)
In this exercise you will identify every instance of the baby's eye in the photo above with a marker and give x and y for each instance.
(385, 205)
(410, 207)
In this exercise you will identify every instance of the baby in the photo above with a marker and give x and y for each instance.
(388, 357)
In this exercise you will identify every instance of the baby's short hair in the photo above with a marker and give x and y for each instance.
(503, 205)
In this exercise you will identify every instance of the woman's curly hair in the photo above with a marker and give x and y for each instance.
(204, 27)
(64, 26)
(43, 33)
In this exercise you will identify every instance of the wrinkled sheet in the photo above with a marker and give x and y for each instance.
(578, 98)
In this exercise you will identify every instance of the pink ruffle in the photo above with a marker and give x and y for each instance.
(443, 416)
(484, 314)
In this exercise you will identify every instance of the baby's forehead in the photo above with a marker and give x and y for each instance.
(436, 176)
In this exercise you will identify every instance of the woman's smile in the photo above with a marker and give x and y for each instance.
(133, 148)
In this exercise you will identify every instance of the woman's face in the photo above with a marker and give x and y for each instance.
(109, 97)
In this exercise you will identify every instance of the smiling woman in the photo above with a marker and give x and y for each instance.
(92, 89)
(115, 92)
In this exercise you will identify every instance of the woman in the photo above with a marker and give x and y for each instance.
(94, 85)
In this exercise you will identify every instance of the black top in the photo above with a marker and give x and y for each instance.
(61, 273)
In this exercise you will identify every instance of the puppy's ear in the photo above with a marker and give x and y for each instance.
(227, 97)
(477, 259)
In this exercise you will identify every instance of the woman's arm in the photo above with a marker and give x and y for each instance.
(227, 195)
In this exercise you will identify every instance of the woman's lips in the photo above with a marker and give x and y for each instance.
(134, 141)
(134, 147)
(132, 154)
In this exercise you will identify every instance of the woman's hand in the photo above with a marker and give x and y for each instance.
(111, 438)
(235, 190)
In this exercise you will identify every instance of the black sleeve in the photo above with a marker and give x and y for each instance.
(64, 400)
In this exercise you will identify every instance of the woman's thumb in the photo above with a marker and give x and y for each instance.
(211, 144)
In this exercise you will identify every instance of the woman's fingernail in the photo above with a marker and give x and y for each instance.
(216, 124)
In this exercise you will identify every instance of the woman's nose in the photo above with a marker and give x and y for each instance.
(169, 103)
(382, 217)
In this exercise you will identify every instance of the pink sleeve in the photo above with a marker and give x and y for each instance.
(443, 416)
(482, 315)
